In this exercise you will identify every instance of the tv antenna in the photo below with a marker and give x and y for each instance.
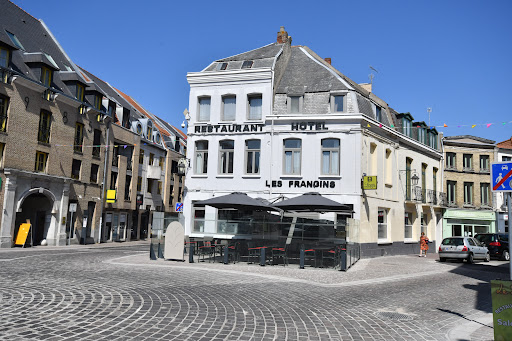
(371, 76)
(429, 110)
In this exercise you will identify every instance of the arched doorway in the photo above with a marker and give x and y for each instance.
(37, 208)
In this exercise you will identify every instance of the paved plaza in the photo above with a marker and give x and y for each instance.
(114, 292)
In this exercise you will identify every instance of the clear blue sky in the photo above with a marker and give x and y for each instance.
(452, 56)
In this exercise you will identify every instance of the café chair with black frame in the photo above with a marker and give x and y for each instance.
(331, 257)
(280, 253)
(310, 255)
(207, 249)
(234, 252)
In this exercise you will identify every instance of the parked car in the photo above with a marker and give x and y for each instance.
(462, 248)
(497, 243)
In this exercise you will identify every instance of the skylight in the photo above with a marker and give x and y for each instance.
(247, 64)
(15, 40)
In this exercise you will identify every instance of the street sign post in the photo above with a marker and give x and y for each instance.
(179, 207)
(369, 182)
(501, 181)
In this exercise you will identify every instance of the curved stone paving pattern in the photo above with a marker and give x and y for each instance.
(76, 295)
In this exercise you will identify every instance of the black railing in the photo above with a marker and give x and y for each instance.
(427, 196)
(115, 161)
(129, 164)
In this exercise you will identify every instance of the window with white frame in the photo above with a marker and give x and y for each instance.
(295, 104)
(408, 225)
(451, 191)
(382, 224)
(337, 103)
(421, 135)
(199, 218)
(255, 105)
(292, 156)
(252, 156)
(229, 108)
(506, 158)
(450, 161)
(468, 193)
(226, 154)
(201, 159)
(204, 108)
(484, 194)
(467, 160)
(331, 156)
(484, 163)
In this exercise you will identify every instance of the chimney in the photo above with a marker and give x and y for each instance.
(328, 60)
(366, 86)
(282, 36)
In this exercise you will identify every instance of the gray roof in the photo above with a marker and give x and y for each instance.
(302, 70)
(471, 137)
(35, 38)
(267, 51)
(262, 57)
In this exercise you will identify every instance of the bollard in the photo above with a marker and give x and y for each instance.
(160, 252)
(343, 260)
(226, 254)
(191, 254)
(302, 258)
(152, 255)
(262, 256)
(83, 234)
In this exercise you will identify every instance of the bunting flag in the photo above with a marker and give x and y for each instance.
(474, 125)
(444, 125)
(488, 125)
(380, 125)
(368, 125)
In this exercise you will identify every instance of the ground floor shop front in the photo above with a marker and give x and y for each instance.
(468, 223)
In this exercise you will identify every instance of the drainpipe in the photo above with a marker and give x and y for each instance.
(106, 120)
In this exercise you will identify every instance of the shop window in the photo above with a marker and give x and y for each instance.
(199, 219)
(408, 225)
(382, 224)
(424, 223)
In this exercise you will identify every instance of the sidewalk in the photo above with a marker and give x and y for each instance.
(77, 246)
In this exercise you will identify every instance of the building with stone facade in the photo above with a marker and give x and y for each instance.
(470, 202)
(279, 121)
(59, 128)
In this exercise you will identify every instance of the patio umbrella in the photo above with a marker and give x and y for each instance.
(237, 200)
(312, 202)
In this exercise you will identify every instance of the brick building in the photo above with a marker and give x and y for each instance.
(55, 123)
(467, 185)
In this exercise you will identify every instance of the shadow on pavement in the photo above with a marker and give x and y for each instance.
(463, 316)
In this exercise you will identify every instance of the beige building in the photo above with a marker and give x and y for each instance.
(468, 187)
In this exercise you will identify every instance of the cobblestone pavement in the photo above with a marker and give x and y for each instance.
(117, 293)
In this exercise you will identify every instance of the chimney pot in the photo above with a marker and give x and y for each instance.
(328, 60)
(282, 36)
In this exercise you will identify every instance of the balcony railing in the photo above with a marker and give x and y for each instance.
(428, 196)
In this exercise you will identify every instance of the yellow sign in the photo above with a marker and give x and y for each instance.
(501, 292)
(369, 182)
(111, 195)
(21, 238)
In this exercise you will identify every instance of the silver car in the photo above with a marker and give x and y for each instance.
(462, 248)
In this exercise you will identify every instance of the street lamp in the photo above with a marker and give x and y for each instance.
(415, 178)
(183, 164)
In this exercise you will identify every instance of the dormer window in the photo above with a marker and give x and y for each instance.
(407, 127)
(80, 92)
(4, 63)
(97, 102)
(222, 66)
(247, 64)
(149, 130)
(139, 129)
(337, 103)
(15, 40)
(295, 104)
(378, 115)
(46, 76)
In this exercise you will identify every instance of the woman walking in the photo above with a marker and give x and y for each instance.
(423, 245)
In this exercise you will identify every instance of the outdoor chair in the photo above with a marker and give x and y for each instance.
(207, 249)
(331, 257)
(310, 255)
(280, 253)
(253, 253)
(234, 252)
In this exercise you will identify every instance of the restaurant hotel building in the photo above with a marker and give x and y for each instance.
(280, 121)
